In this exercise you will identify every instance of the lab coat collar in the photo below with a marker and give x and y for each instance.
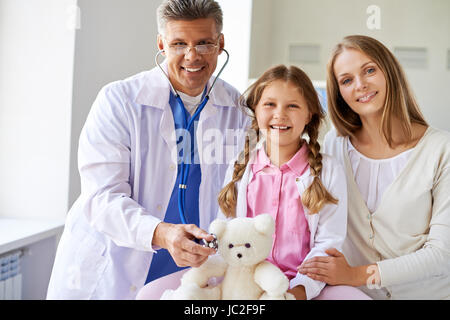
(155, 90)
(156, 81)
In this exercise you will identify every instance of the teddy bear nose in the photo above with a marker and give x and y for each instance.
(239, 255)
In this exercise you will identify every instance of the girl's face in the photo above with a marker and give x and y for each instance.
(282, 114)
(361, 82)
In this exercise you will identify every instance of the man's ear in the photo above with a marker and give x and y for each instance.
(221, 42)
(160, 43)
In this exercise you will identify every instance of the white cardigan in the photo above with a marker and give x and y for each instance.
(408, 235)
(328, 227)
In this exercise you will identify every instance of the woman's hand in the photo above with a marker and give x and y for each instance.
(333, 270)
(178, 240)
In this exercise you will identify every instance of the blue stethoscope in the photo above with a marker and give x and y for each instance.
(184, 173)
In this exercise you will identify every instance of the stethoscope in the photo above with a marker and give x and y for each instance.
(184, 173)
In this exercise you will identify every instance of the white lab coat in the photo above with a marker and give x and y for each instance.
(328, 228)
(128, 166)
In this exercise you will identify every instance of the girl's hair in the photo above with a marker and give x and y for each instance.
(400, 102)
(316, 196)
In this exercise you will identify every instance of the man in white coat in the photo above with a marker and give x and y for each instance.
(125, 230)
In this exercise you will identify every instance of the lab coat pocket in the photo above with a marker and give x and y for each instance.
(89, 263)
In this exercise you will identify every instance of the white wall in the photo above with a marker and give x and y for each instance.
(36, 64)
(411, 23)
(261, 40)
(50, 75)
(116, 39)
(237, 28)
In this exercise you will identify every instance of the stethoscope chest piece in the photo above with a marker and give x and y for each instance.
(211, 244)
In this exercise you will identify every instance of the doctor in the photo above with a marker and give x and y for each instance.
(125, 229)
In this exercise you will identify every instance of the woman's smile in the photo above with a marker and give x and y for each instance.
(367, 97)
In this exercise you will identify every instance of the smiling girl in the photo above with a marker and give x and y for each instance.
(398, 175)
(284, 174)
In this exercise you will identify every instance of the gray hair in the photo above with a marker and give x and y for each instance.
(188, 10)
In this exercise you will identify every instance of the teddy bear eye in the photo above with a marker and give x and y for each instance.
(247, 245)
(230, 245)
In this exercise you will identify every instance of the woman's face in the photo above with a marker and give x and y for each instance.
(361, 82)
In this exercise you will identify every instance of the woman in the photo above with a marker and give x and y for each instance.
(398, 175)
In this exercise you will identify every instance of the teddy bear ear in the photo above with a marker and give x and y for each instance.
(218, 227)
(264, 224)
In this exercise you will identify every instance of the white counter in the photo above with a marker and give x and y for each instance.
(37, 240)
(18, 233)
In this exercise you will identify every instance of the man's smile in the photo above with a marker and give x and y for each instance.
(193, 69)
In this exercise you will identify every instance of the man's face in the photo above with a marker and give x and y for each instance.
(189, 72)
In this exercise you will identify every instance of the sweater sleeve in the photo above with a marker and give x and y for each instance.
(433, 259)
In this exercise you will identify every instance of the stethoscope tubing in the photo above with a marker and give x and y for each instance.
(184, 171)
(170, 83)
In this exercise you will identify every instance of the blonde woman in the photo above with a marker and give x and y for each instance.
(398, 175)
(286, 176)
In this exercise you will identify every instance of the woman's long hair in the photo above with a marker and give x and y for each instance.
(400, 102)
(316, 195)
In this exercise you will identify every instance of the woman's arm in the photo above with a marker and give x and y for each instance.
(431, 260)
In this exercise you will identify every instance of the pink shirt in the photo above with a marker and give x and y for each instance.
(273, 190)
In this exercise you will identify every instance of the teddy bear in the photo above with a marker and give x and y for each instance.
(243, 246)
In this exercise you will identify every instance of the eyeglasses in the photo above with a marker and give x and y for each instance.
(203, 49)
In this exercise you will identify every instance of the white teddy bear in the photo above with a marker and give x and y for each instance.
(244, 244)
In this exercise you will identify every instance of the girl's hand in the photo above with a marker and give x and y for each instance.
(299, 292)
(333, 270)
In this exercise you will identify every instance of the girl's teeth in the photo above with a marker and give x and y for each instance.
(279, 128)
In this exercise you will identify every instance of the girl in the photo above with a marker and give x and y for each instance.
(287, 176)
(398, 173)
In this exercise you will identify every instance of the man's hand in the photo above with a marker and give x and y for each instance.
(178, 240)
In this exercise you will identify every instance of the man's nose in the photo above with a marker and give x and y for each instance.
(191, 54)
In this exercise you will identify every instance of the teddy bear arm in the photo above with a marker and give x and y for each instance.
(215, 266)
(271, 279)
